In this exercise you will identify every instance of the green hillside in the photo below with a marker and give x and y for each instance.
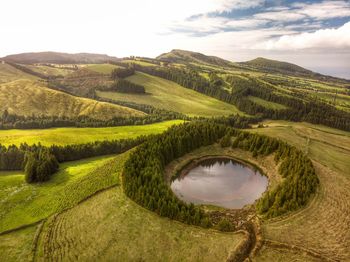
(27, 97)
(101, 68)
(58, 58)
(277, 66)
(71, 135)
(166, 94)
(9, 73)
(24, 94)
(183, 56)
(24, 203)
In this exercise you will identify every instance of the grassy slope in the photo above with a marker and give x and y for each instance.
(101, 68)
(64, 136)
(267, 104)
(23, 203)
(127, 232)
(17, 246)
(27, 97)
(9, 73)
(113, 219)
(169, 95)
(49, 70)
(268, 254)
(23, 94)
(324, 225)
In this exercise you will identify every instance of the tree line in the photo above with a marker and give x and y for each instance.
(122, 72)
(124, 86)
(143, 177)
(40, 162)
(297, 110)
(300, 180)
(13, 121)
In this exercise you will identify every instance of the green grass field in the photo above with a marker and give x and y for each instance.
(17, 246)
(27, 97)
(23, 94)
(166, 94)
(110, 216)
(127, 232)
(323, 226)
(49, 70)
(71, 135)
(101, 68)
(23, 203)
(267, 104)
(9, 73)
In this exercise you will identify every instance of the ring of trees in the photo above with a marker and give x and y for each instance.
(143, 176)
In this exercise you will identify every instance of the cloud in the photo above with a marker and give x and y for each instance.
(300, 11)
(324, 10)
(337, 38)
(283, 15)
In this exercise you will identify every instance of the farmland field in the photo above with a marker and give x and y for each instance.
(169, 95)
(71, 135)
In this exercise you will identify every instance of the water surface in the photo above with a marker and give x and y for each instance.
(220, 182)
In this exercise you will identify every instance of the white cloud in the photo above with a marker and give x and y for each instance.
(283, 16)
(324, 10)
(320, 39)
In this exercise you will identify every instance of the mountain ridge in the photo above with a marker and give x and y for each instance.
(58, 57)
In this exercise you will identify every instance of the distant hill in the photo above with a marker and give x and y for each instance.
(24, 94)
(27, 97)
(183, 56)
(277, 66)
(58, 58)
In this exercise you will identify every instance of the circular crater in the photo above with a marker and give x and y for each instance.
(219, 181)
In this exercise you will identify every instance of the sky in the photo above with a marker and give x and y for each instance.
(314, 34)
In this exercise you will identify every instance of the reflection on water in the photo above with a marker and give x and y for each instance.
(221, 182)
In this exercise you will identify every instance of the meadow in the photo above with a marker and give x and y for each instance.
(323, 226)
(28, 97)
(23, 204)
(50, 70)
(127, 232)
(113, 219)
(101, 68)
(9, 73)
(71, 135)
(166, 94)
(267, 104)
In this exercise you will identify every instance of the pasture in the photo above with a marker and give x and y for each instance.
(28, 97)
(127, 232)
(166, 94)
(23, 203)
(71, 135)
(322, 226)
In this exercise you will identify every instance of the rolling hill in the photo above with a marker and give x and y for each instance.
(27, 97)
(166, 94)
(9, 73)
(58, 58)
(24, 94)
(183, 56)
(269, 65)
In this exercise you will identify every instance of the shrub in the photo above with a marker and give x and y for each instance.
(225, 225)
